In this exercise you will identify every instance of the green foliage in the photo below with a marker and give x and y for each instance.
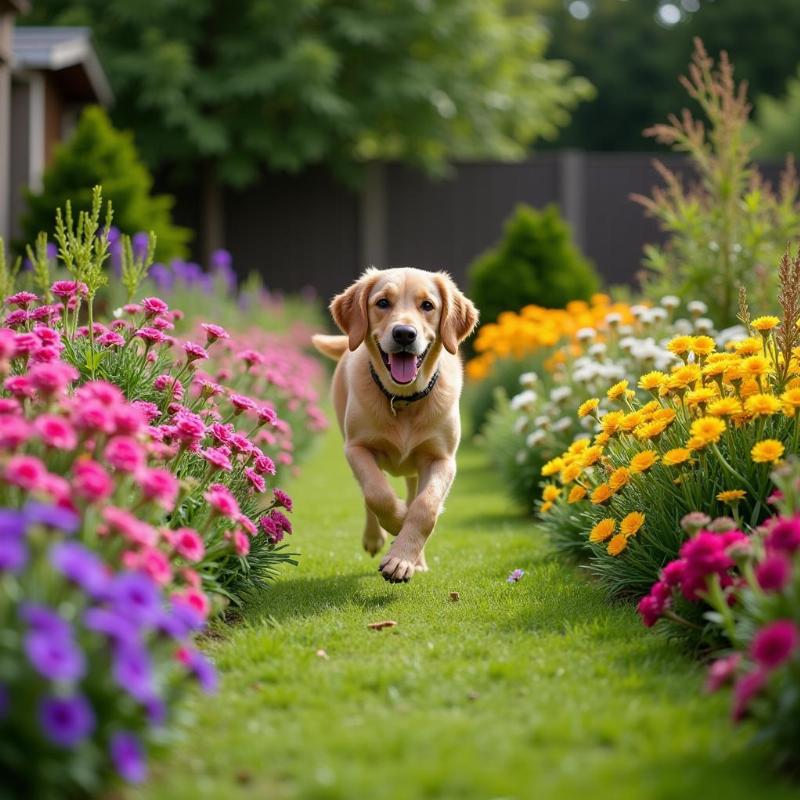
(96, 154)
(8, 272)
(134, 268)
(777, 125)
(536, 263)
(727, 228)
(248, 83)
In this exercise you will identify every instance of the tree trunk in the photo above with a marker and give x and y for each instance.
(213, 233)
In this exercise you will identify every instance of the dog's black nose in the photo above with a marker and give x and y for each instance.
(404, 334)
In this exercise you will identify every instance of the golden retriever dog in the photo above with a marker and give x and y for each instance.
(396, 390)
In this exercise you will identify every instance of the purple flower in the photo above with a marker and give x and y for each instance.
(5, 701)
(140, 243)
(135, 597)
(13, 550)
(515, 576)
(81, 566)
(66, 721)
(156, 710)
(127, 754)
(162, 276)
(180, 621)
(56, 658)
(51, 516)
(52, 251)
(202, 668)
(133, 671)
(44, 620)
(111, 624)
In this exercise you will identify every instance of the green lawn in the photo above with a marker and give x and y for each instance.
(538, 689)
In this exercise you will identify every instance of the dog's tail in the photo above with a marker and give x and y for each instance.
(332, 346)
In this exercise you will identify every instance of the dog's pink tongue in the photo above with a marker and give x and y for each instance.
(403, 367)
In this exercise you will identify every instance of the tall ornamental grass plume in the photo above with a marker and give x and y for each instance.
(745, 581)
(706, 439)
(537, 424)
(726, 226)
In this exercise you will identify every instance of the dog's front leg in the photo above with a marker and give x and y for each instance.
(378, 494)
(401, 561)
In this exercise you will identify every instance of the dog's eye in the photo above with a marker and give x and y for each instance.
(427, 305)
(383, 303)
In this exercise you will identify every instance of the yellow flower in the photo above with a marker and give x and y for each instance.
(591, 455)
(602, 494)
(650, 430)
(762, 405)
(617, 390)
(619, 478)
(630, 421)
(552, 467)
(665, 415)
(791, 401)
(748, 347)
(578, 446)
(714, 369)
(767, 451)
(755, 366)
(701, 396)
(570, 473)
(696, 443)
(545, 507)
(731, 496)
(603, 530)
(577, 493)
(652, 380)
(631, 523)
(707, 429)
(586, 408)
(764, 324)
(642, 462)
(617, 544)
(684, 376)
(650, 407)
(703, 345)
(550, 492)
(610, 422)
(725, 407)
(678, 455)
(680, 345)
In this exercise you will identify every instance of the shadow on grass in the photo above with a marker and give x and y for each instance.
(310, 596)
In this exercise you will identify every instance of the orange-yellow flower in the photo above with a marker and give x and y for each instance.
(576, 494)
(610, 422)
(791, 401)
(731, 496)
(619, 478)
(684, 376)
(603, 530)
(631, 523)
(545, 507)
(550, 492)
(767, 451)
(762, 405)
(602, 494)
(591, 455)
(617, 544)
(617, 390)
(707, 429)
(748, 347)
(650, 430)
(764, 324)
(678, 455)
(588, 407)
(652, 380)
(725, 407)
(755, 366)
(701, 396)
(703, 345)
(680, 345)
(552, 467)
(642, 462)
(570, 473)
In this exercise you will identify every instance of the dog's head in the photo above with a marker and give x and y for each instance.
(405, 316)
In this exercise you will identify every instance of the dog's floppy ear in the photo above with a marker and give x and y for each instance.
(349, 309)
(459, 315)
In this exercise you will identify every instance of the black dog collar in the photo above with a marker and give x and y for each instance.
(403, 398)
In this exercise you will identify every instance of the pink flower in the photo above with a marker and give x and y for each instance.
(128, 419)
(148, 410)
(150, 336)
(271, 529)
(105, 392)
(722, 671)
(283, 499)
(14, 431)
(264, 464)
(774, 572)
(110, 339)
(16, 319)
(746, 688)
(132, 309)
(213, 332)
(7, 344)
(92, 417)
(56, 432)
(8, 405)
(775, 643)
(189, 427)
(130, 526)
(46, 313)
(240, 540)
(247, 524)
(153, 306)
(241, 444)
(221, 500)
(162, 324)
(208, 388)
(217, 457)
(222, 433)
(26, 472)
(784, 534)
(20, 386)
(157, 565)
(241, 403)
(188, 544)
(124, 454)
(194, 599)
(256, 481)
(46, 354)
(267, 415)
(67, 289)
(21, 299)
(159, 485)
(90, 481)
(194, 352)
(250, 357)
(169, 384)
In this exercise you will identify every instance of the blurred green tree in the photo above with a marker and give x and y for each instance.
(777, 125)
(229, 88)
(97, 154)
(633, 57)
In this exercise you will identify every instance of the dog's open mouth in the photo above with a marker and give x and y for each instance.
(403, 366)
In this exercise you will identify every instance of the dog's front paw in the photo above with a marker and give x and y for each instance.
(374, 540)
(400, 563)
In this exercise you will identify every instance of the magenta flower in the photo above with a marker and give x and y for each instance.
(221, 432)
(21, 299)
(53, 378)
(20, 386)
(774, 572)
(66, 290)
(194, 352)
(256, 481)
(110, 339)
(102, 391)
(745, 689)
(775, 644)
(148, 410)
(90, 481)
(722, 671)
(271, 529)
(153, 306)
(16, 319)
(14, 431)
(784, 535)
(217, 457)
(221, 500)
(150, 336)
(25, 344)
(7, 344)
(241, 403)
(25, 472)
(264, 465)
(125, 454)
(250, 357)
(159, 485)
(93, 416)
(189, 428)
(66, 721)
(214, 332)
(267, 415)
(189, 544)
(283, 499)
(129, 526)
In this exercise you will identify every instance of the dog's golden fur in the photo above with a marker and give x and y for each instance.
(416, 440)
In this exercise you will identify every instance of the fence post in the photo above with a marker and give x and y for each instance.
(372, 218)
(571, 195)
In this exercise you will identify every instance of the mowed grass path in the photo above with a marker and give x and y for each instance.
(539, 689)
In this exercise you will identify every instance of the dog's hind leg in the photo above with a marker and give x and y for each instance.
(374, 536)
